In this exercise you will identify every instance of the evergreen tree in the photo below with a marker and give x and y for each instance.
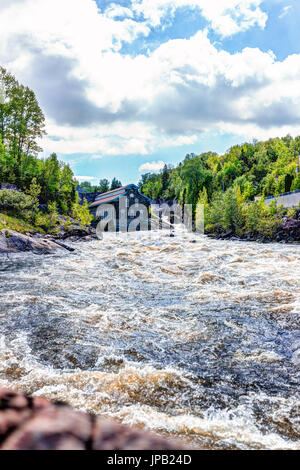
(103, 186)
(115, 184)
(165, 178)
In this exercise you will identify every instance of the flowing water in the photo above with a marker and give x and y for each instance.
(186, 336)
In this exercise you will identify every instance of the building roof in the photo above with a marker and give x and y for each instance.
(108, 198)
(113, 195)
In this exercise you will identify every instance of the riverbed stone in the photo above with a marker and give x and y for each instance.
(34, 423)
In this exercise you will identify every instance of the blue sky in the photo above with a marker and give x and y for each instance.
(128, 86)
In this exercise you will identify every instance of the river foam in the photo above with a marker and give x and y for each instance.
(185, 336)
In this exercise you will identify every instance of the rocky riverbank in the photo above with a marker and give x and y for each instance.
(287, 232)
(11, 241)
(14, 242)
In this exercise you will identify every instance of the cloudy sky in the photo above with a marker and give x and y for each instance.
(129, 85)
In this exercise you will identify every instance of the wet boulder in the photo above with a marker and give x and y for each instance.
(289, 230)
(13, 242)
(75, 232)
(33, 423)
(227, 234)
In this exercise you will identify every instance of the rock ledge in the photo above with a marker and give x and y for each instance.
(13, 242)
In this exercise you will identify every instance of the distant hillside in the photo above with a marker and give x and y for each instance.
(258, 168)
(226, 184)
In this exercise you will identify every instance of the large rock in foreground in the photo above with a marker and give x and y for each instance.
(13, 242)
(37, 424)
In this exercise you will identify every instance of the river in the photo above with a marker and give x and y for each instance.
(185, 336)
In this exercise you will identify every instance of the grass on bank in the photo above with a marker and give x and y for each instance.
(17, 225)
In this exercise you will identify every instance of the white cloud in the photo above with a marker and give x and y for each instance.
(117, 139)
(226, 17)
(121, 138)
(86, 178)
(101, 102)
(117, 11)
(152, 166)
(285, 10)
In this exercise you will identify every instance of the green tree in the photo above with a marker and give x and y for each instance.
(103, 186)
(202, 203)
(115, 184)
(296, 183)
(52, 216)
(34, 192)
(214, 215)
(195, 175)
(165, 178)
(253, 212)
(7, 166)
(82, 213)
(51, 179)
(233, 214)
(22, 122)
(67, 188)
(86, 185)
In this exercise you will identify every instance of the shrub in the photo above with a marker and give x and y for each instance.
(252, 213)
(296, 183)
(268, 225)
(233, 214)
(226, 211)
(274, 209)
(48, 221)
(291, 213)
(67, 224)
(82, 213)
(214, 212)
(34, 192)
(202, 201)
(16, 203)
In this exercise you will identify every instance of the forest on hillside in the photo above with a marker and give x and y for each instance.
(233, 186)
(258, 169)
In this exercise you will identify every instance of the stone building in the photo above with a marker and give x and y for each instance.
(128, 204)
